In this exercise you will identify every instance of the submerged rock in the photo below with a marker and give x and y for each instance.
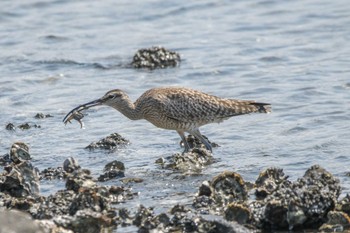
(155, 57)
(112, 170)
(110, 142)
(42, 116)
(25, 126)
(10, 126)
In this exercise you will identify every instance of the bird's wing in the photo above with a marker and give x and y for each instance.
(201, 108)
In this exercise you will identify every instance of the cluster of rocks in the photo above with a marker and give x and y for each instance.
(226, 203)
(24, 126)
(155, 57)
(276, 203)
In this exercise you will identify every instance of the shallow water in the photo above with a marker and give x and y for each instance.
(295, 55)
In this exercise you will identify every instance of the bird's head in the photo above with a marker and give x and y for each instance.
(113, 98)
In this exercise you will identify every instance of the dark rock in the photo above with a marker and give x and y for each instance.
(112, 170)
(110, 142)
(10, 126)
(28, 126)
(19, 152)
(42, 116)
(52, 173)
(80, 179)
(21, 181)
(155, 57)
(70, 165)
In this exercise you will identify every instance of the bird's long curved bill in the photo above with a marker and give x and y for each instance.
(81, 108)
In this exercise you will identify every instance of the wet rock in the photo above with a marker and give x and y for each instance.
(5, 160)
(42, 116)
(70, 165)
(28, 126)
(344, 205)
(112, 170)
(80, 179)
(228, 187)
(193, 142)
(192, 161)
(85, 221)
(269, 181)
(336, 221)
(215, 195)
(131, 180)
(110, 142)
(278, 203)
(238, 212)
(10, 202)
(19, 152)
(155, 57)
(21, 180)
(17, 221)
(52, 173)
(10, 126)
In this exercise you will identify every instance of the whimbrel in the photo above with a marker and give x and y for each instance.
(174, 108)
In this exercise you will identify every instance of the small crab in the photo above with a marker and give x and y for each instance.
(76, 112)
(76, 116)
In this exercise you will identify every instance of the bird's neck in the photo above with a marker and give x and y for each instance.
(128, 109)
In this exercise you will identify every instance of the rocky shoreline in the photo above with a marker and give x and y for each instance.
(226, 203)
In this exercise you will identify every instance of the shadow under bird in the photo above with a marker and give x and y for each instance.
(174, 108)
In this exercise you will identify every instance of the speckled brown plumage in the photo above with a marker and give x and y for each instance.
(177, 108)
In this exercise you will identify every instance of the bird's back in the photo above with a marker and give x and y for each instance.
(187, 106)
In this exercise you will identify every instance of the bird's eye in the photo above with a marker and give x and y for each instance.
(110, 96)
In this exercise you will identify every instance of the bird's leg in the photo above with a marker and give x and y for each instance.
(199, 136)
(182, 135)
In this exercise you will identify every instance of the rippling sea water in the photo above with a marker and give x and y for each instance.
(293, 54)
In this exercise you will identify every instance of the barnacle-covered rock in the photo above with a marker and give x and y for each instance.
(269, 181)
(86, 221)
(193, 142)
(215, 195)
(337, 221)
(19, 152)
(21, 180)
(192, 161)
(303, 203)
(344, 205)
(70, 165)
(109, 143)
(229, 187)
(112, 170)
(238, 212)
(155, 57)
(52, 173)
(80, 179)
